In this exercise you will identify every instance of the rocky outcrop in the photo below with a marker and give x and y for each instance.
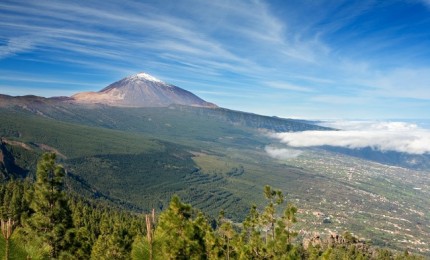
(8, 166)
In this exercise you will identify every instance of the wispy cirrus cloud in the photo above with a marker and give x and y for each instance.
(400, 82)
(263, 47)
(342, 100)
(425, 2)
(288, 86)
(84, 29)
(15, 45)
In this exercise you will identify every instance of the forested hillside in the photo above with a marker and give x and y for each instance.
(139, 157)
(39, 220)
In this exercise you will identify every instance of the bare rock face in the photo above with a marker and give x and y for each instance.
(141, 90)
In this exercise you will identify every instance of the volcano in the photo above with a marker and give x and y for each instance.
(141, 90)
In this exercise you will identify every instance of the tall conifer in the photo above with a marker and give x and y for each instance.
(52, 216)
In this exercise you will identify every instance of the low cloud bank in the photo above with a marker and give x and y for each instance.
(382, 136)
(372, 126)
(282, 153)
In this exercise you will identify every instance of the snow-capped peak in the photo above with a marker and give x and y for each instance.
(143, 75)
(141, 90)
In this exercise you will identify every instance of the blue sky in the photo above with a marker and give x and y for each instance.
(302, 59)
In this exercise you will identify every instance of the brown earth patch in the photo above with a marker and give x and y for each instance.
(16, 143)
(51, 149)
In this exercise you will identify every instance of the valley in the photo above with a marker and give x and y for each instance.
(383, 203)
(137, 158)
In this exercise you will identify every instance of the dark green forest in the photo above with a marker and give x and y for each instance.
(40, 220)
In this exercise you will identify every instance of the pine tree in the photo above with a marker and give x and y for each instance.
(116, 245)
(275, 198)
(227, 234)
(288, 219)
(52, 216)
(180, 236)
(11, 210)
(7, 218)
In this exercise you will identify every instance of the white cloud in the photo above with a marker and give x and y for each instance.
(382, 136)
(282, 153)
(14, 45)
(340, 100)
(288, 86)
(425, 2)
(371, 125)
(400, 83)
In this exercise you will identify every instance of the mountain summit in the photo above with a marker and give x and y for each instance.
(141, 90)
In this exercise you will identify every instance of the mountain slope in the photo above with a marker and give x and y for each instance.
(149, 154)
(29, 102)
(141, 90)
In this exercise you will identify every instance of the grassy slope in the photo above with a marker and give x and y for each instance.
(72, 140)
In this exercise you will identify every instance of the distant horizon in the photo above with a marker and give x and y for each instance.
(295, 59)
